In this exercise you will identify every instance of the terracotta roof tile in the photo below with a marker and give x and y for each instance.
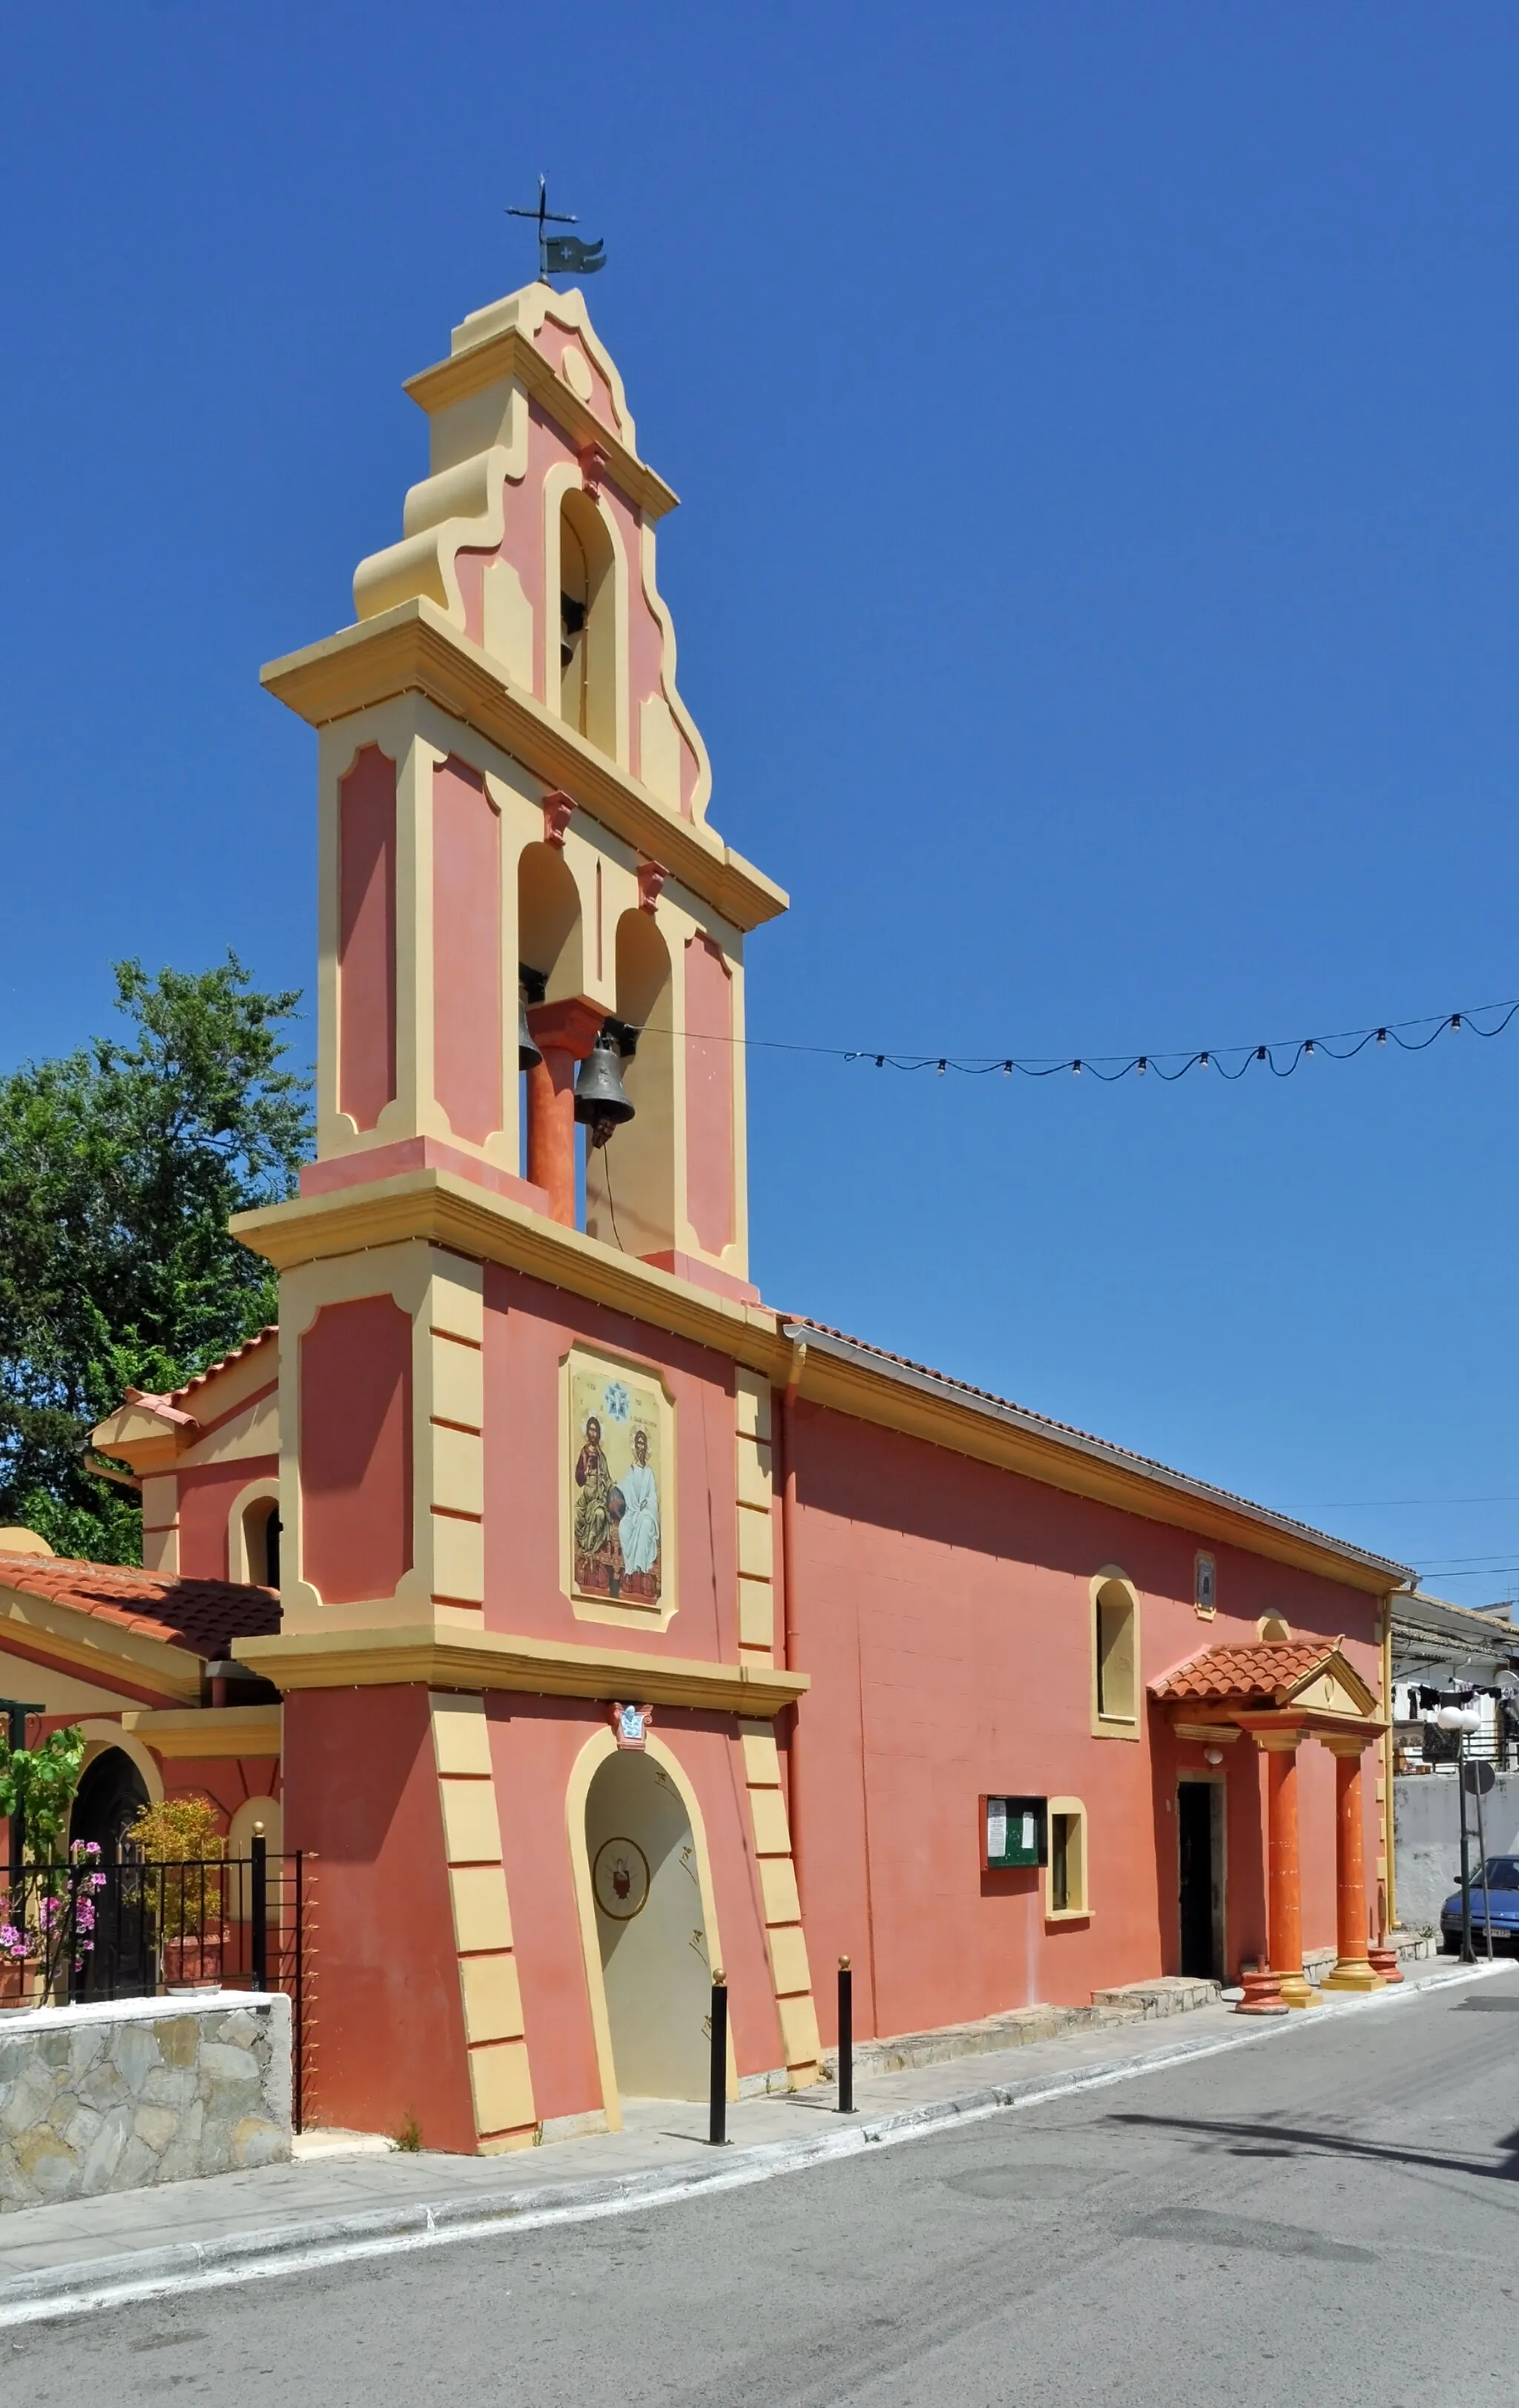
(260, 1338)
(1236, 1674)
(203, 1616)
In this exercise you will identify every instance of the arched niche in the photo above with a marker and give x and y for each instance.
(549, 931)
(587, 622)
(630, 1182)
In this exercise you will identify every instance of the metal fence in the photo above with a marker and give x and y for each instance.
(1430, 1744)
(83, 1930)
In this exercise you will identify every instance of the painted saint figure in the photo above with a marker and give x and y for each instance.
(598, 1510)
(640, 1528)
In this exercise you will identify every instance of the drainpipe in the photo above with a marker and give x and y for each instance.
(788, 1594)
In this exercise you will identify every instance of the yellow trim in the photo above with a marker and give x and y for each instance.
(210, 1730)
(414, 647)
(100, 1734)
(253, 1494)
(1071, 1808)
(511, 355)
(445, 1656)
(454, 1212)
(582, 1772)
(85, 1643)
(1105, 1726)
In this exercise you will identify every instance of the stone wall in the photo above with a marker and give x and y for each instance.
(115, 2095)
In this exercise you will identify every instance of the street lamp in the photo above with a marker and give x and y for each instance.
(1463, 1720)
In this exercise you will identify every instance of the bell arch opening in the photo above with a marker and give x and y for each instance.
(587, 629)
(650, 1928)
(630, 1182)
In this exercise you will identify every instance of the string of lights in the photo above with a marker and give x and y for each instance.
(1281, 1057)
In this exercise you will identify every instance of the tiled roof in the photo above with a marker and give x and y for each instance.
(202, 1616)
(1235, 1675)
(259, 1339)
(1024, 1415)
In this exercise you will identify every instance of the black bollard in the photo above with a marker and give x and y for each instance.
(717, 2123)
(846, 2038)
(258, 1876)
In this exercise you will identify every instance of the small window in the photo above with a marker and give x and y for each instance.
(1065, 1879)
(1116, 1653)
(261, 1542)
(1205, 1587)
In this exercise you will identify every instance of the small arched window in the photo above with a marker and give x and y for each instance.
(1115, 1658)
(261, 1542)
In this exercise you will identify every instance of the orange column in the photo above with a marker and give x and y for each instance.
(564, 1034)
(1353, 1969)
(1284, 1898)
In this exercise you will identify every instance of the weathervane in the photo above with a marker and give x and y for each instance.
(560, 254)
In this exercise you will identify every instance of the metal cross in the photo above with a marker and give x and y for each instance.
(544, 216)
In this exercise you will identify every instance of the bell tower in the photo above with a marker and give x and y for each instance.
(524, 1403)
(520, 892)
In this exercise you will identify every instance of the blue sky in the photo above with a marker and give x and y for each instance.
(1095, 581)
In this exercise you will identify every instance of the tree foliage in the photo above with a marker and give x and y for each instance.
(119, 1168)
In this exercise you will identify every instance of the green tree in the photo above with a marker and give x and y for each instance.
(119, 1168)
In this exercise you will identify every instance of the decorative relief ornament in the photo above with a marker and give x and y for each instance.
(620, 1880)
(558, 811)
(631, 1723)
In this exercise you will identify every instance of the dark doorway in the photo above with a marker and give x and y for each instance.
(119, 1960)
(1199, 1819)
(110, 1796)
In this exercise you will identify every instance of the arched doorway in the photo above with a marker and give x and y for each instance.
(111, 1794)
(650, 1928)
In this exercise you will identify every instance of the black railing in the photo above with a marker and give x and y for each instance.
(80, 1929)
(1432, 1745)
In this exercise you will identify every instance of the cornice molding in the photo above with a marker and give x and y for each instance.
(415, 648)
(105, 1653)
(209, 1730)
(511, 354)
(444, 1209)
(849, 1380)
(439, 1658)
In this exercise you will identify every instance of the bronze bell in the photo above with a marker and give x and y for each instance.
(528, 1056)
(600, 1097)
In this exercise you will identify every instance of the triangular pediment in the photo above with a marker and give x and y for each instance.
(1331, 1686)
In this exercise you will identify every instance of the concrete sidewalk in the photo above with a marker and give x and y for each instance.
(63, 2260)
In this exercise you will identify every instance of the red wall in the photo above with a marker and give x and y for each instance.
(367, 938)
(528, 1331)
(361, 1789)
(467, 951)
(205, 1494)
(356, 1449)
(943, 1607)
(709, 1019)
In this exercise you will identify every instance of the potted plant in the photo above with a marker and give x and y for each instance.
(181, 1839)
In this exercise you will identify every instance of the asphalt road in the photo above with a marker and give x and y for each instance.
(1331, 2216)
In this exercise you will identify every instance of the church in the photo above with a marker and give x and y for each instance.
(593, 1623)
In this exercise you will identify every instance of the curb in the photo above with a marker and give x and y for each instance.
(291, 2248)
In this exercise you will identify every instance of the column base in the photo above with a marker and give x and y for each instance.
(1386, 1962)
(1263, 1992)
(1353, 1973)
(1297, 1991)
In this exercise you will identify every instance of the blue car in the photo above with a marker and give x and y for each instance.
(1495, 1892)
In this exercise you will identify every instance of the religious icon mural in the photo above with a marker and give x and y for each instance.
(618, 1481)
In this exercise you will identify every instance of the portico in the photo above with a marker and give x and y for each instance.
(1279, 1694)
